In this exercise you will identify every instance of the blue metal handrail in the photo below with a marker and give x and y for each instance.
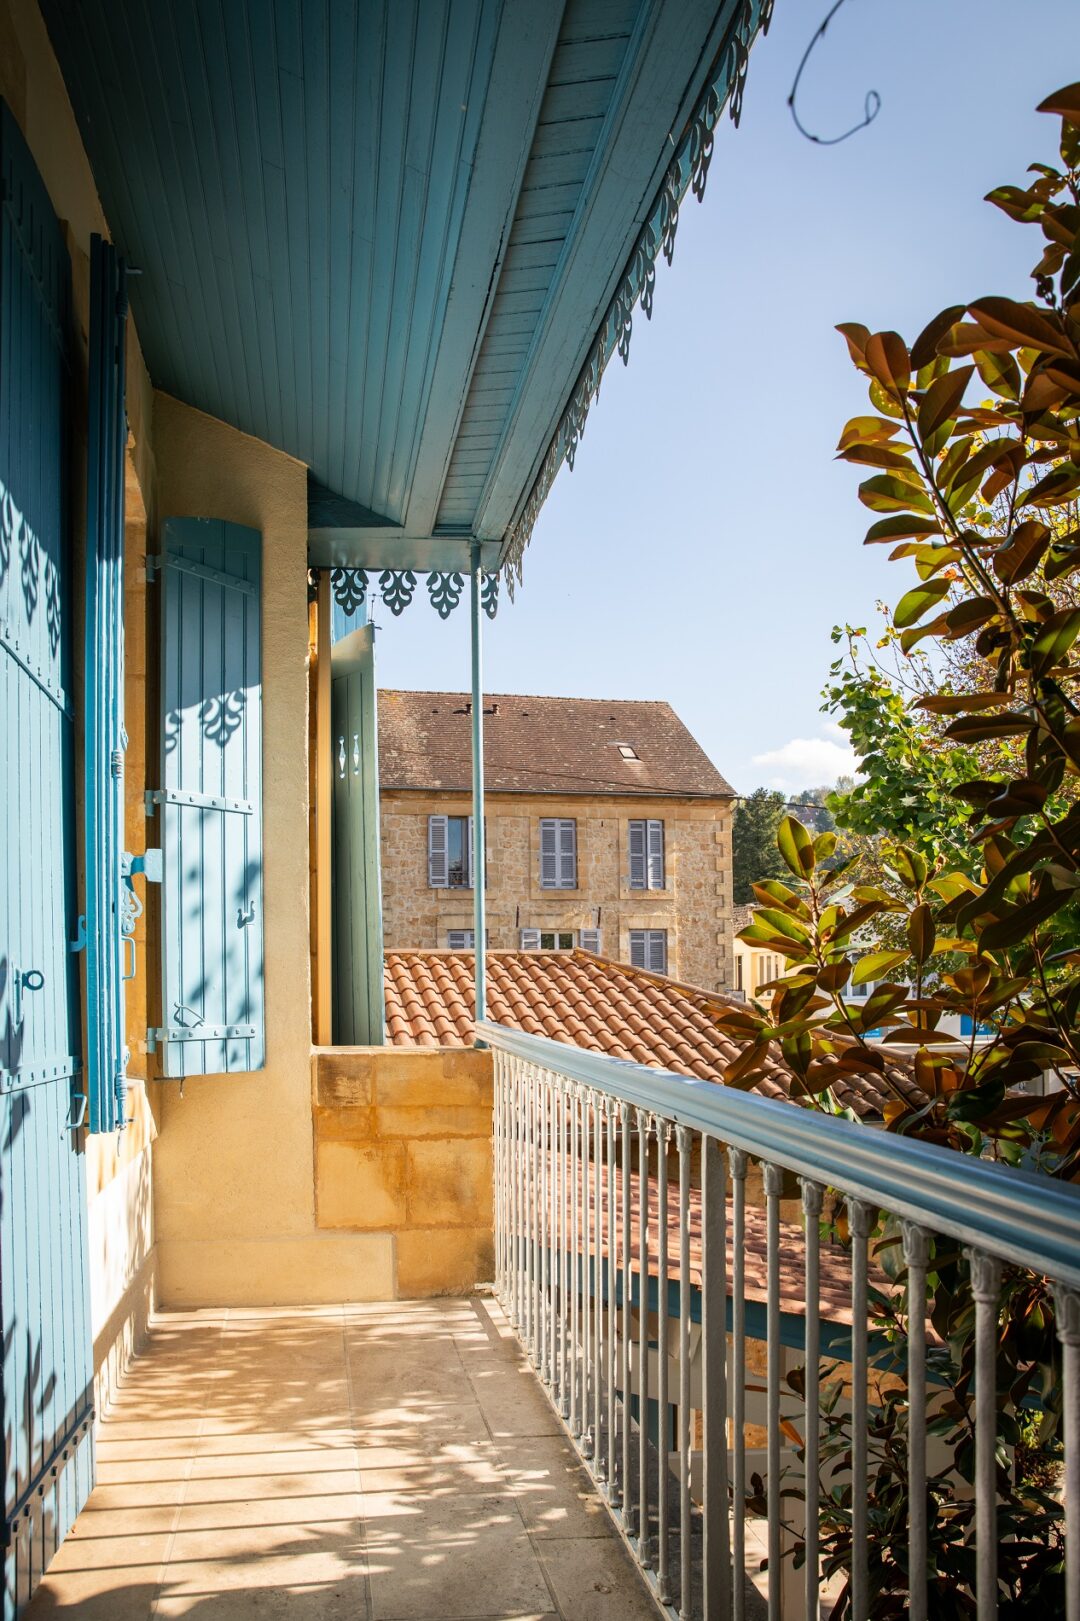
(1020, 1216)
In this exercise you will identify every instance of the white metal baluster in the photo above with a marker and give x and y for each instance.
(985, 1286)
(543, 1361)
(716, 1598)
(860, 1217)
(663, 1447)
(587, 1304)
(532, 1201)
(916, 1258)
(614, 1116)
(512, 1253)
(553, 1237)
(627, 1280)
(812, 1201)
(600, 1109)
(645, 1553)
(1067, 1312)
(574, 1100)
(737, 1167)
(564, 1251)
(773, 1178)
(496, 1159)
(686, 1438)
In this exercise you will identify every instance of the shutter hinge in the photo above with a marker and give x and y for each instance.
(150, 864)
(79, 942)
(153, 566)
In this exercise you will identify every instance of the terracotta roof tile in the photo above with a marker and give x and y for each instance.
(586, 1001)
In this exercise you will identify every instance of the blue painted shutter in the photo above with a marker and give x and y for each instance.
(108, 918)
(637, 948)
(656, 944)
(210, 799)
(437, 852)
(655, 837)
(638, 872)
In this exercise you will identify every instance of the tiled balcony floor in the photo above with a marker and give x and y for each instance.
(387, 1463)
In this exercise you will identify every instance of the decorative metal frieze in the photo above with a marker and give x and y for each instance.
(349, 586)
(445, 592)
(397, 587)
(688, 170)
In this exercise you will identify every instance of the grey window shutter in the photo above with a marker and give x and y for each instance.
(437, 866)
(210, 799)
(567, 855)
(638, 873)
(657, 951)
(460, 939)
(637, 948)
(655, 832)
(530, 939)
(590, 941)
(549, 854)
(470, 878)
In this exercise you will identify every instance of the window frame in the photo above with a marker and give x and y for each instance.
(652, 855)
(565, 870)
(649, 938)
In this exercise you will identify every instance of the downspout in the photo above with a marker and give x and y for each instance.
(479, 874)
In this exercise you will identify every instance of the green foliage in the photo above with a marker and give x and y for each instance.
(754, 856)
(973, 800)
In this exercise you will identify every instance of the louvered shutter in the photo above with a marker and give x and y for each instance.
(657, 950)
(210, 799)
(470, 880)
(590, 941)
(460, 939)
(568, 855)
(637, 948)
(530, 939)
(549, 854)
(655, 832)
(437, 864)
(111, 905)
(638, 870)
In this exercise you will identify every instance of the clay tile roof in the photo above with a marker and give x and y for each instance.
(587, 1001)
(542, 745)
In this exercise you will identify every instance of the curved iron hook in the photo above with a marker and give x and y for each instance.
(872, 104)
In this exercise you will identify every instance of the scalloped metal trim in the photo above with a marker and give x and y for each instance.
(688, 170)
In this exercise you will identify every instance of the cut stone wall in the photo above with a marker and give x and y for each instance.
(403, 1154)
(695, 906)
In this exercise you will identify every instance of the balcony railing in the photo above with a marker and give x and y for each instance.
(637, 1262)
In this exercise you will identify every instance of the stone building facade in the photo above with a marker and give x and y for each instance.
(559, 761)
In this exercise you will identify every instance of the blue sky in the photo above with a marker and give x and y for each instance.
(707, 541)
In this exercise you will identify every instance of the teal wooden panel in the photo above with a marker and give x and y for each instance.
(46, 1384)
(210, 799)
(291, 180)
(105, 739)
(358, 1008)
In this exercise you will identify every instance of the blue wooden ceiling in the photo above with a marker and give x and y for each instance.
(382, 236)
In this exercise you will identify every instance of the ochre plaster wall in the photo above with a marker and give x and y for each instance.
(694, 907)
(403, 1153)
(118, 1169)
(234, 1193)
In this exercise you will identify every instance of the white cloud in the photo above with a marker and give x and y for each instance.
(808, 762)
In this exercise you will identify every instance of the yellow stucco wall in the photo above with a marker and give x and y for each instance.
(403, 1153)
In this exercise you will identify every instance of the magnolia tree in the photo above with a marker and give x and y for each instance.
(972, 451)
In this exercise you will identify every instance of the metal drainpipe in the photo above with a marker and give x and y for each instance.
(479, 898)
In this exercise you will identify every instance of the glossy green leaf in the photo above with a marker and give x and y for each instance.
(918, 601)
(796, 846)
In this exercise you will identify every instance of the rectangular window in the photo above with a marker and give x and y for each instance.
(646, 843)
(547, 939)
(648, 949)
(462, 939)
(558, 853)
(589, 940)
(450, 852)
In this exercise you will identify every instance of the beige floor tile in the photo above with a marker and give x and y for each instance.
(340, 1600)
(121, 1593)
(595, 1579)
(514, 1405)
(455, 1556)
(264, 1463)
(470, 1467)
(554, 1494)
